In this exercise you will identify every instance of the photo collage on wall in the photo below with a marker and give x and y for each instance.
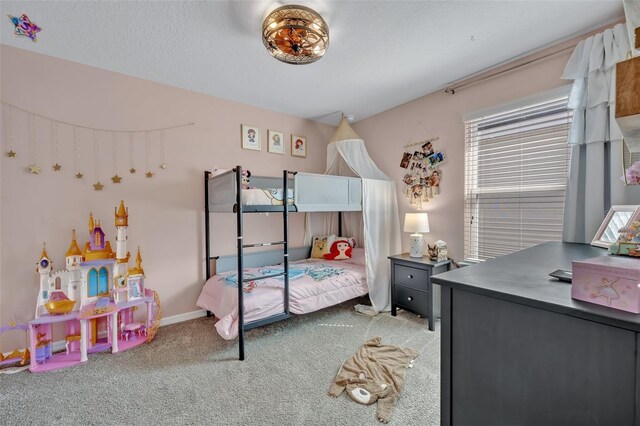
(423, 174)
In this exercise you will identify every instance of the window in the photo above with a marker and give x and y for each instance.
(92, 280)
(98, 282)
(516, 168)
(103, 281)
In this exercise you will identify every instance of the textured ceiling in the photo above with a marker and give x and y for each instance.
(381, 54)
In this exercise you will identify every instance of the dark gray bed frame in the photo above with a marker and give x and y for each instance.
(262, 258)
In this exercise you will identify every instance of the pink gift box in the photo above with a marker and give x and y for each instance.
(609, 281)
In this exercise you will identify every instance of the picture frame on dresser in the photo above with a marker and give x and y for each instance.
(617, 217)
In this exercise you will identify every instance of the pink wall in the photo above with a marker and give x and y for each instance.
(165, 213)
(441, 113)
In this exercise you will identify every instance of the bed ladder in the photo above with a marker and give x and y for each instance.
(242, 327)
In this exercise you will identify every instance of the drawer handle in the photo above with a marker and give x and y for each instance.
(410, 298)
(410, 276)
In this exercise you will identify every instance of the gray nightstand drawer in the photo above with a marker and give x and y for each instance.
(411, 277)
(412, 299)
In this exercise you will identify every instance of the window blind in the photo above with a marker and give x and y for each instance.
(516, 167)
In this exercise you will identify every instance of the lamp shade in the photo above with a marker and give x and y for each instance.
(416, 222)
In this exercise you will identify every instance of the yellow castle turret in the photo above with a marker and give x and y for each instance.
(74, 250)
(74, 255)
(138, 270)
(92, 224)
(44, 254)
(122, 215)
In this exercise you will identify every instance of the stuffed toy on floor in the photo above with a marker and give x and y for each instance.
(375, 373)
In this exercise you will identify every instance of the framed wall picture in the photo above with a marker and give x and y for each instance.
(298, 146)
(251, 137)
(276, 142)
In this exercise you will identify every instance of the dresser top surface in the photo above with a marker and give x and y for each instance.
(523, 277)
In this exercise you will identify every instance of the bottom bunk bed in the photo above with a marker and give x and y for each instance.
(313, 284)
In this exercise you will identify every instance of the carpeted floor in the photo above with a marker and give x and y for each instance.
(190, 375)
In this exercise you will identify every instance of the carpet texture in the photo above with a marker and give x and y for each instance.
(190, 375)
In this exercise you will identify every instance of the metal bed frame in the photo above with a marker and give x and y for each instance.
(239, 210)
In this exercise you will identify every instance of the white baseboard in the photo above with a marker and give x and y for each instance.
(183, 317)
(60, 345)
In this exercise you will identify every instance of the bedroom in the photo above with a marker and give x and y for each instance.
(112, 66)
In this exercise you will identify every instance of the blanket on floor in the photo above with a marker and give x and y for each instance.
(375, 373)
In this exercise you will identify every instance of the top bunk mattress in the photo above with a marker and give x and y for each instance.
(306, 192)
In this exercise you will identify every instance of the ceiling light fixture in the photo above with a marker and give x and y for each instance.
(295, 34)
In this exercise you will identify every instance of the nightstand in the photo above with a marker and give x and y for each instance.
(411, 287)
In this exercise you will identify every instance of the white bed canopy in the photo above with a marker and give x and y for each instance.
(377, 228)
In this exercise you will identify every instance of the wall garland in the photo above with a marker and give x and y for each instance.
(97, 138)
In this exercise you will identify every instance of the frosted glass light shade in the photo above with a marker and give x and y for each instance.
(416, 222)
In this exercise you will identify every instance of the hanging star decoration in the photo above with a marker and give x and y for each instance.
(56, 167)
(24, 27)
(149, 174)
(79, 175)
(132, 170)
(116, 179)
(11, 154)
(35, 169)
(163, 166)
(98, 186)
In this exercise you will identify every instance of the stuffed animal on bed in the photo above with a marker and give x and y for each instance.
(340, 250)
(246, 174)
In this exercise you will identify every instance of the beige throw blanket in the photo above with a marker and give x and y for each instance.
(375, 373)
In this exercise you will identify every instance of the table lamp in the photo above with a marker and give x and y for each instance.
(417, 223)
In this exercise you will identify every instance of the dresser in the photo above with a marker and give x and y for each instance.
(411, 284)
(518, 350)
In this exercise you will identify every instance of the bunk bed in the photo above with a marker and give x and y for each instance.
(293, 192)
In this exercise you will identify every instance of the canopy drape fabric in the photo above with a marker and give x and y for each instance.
(596, 155)
(377, 228)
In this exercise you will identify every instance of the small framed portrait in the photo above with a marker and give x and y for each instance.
(418, 155)
(298, 146)
(276, 142)
(406, 158)
(251, 137)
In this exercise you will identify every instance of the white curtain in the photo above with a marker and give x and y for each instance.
(377, 228)
(596, 153)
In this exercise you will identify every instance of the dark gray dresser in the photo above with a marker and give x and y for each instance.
(411, 284)
(518, 350)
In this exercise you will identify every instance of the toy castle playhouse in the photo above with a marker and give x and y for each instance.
(95, 297)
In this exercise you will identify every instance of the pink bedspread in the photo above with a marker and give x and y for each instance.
(313, 284)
